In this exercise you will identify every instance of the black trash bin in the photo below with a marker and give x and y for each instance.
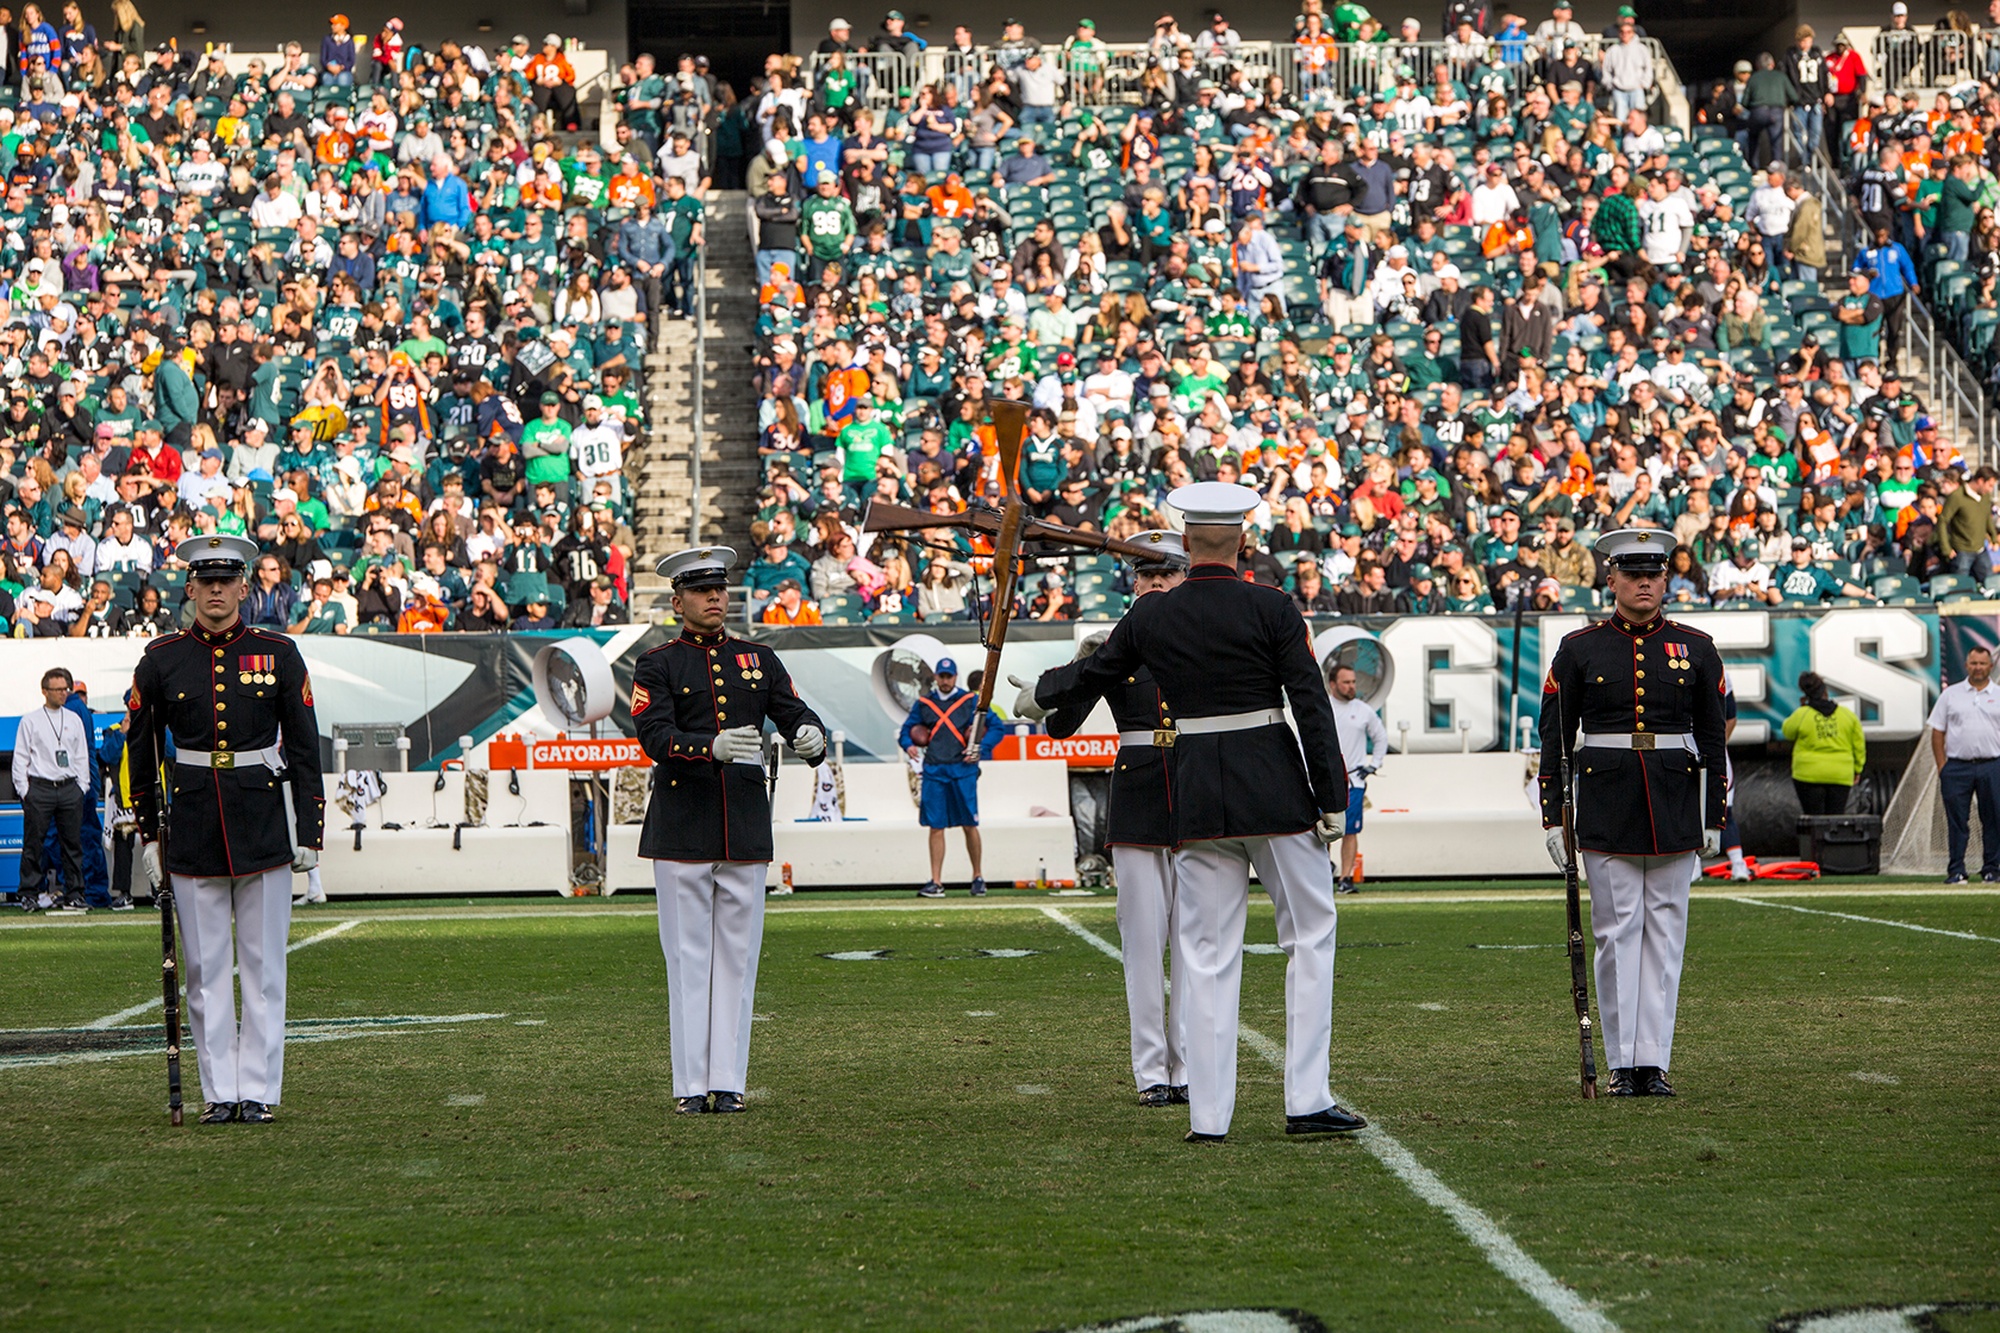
(1842, 844)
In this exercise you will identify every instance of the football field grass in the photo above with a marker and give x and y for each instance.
(943, 1132)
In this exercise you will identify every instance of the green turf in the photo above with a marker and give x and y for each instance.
(909, 1165)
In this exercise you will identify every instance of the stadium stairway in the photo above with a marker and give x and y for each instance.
(729, 470)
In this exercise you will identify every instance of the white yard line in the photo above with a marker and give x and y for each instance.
(402, 1026)
(1870, 920)
(1565, 1306)
(834, 903)
(113, 1020)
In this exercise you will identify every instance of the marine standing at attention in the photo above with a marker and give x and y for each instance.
(239, 707)
(699, 703)
(1649, 774)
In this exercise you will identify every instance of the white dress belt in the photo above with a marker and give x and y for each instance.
(271, 757)
(1639, 740)
(1209, 726)
(1161, 739)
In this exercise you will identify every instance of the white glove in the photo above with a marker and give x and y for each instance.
(1024, 703)
(1331, 827)
(1553, 840)
(809, 744)
(149, 864)
(738, 745)
(1711, 843)
(304, 859)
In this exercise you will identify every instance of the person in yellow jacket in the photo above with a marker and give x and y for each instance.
(1828, 750)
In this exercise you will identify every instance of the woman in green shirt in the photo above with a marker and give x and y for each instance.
(1828, 750)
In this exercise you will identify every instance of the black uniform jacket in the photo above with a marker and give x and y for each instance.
(240, 690)
(1659, 679)
(1217, 645)
(1142, 795)
(683, 693)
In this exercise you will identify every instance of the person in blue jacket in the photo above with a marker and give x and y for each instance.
(938, 734)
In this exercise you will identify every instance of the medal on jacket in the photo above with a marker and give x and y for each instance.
(748, 663)
(257, 669)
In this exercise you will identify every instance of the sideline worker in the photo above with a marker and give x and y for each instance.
(1648, 770)
(699, 703)
(1828, 749)
(1965, 742)
(1364, 743)
(239, 706)
(938, 732)
(54, 764)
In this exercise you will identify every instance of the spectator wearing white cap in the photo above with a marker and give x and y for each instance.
(597, 448)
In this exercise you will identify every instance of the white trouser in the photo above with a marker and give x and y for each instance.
(1145, 932)
(711, 930)
(245, 1063)
(1639, 916)
(1212, 893)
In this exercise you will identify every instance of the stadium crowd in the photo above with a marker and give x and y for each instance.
(1453, 303)
(379, 309)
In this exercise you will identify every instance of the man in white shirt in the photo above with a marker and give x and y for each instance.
(53, 761)
(598, 447)
(198, 488)
(1666, 223)
(274, 208)
(1493, 199)
(1110, 387)
(1742, 577)
(122, 548)
(1364, 743)
(1965, 742)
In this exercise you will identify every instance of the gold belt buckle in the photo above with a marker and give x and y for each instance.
(222, 759)
(1164, 739)
(1644, 740)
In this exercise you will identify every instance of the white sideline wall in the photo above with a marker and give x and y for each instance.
(1451, 815)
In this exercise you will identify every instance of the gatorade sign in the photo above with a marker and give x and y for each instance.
(1076, 751)
(585, 754)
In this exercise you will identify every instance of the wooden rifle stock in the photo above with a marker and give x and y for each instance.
(884, 517)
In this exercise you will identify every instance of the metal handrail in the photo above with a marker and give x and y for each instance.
(1931, 56)
(1115, 73)
(695, 399)
(1969, 420)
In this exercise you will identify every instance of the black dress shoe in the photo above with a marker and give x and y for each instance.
(218, 1113)
(691, 1105)
(729, 1103)
(1177, 1094)
(254, 1113)
(1157, 1095)
(1334, 1119)
(1622, 1084)
(1193, 1137)
(1652, 1081)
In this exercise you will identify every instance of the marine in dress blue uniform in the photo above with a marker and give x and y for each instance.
(1248, 791)
(238, 704)
(1140, 833)
(1639, 701)
(699, 704)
